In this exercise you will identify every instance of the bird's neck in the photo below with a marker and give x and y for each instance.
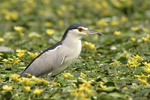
(72, 41)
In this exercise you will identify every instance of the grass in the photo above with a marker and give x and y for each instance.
(116, 68)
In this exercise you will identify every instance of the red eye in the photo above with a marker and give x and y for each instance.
(80, 29)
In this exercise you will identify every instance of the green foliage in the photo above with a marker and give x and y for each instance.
(115, 66)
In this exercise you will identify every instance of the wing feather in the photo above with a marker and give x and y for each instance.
(45, 63)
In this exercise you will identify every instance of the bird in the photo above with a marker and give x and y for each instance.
(58, 57)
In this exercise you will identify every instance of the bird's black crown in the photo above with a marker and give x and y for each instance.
(73, 26)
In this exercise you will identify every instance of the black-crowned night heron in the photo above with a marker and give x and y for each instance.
(58, 57)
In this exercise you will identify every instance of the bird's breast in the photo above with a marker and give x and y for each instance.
(73, 51)
(70, 54)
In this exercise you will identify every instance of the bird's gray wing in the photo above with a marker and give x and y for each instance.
(45, 63)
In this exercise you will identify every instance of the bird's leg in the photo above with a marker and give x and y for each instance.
(49, 76)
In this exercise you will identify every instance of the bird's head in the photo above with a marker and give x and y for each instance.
(78, 30)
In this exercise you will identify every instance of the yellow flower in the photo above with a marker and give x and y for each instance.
(63, 8)
(102, 22)
(4, 11)
(133, 39)
(11, 59)
(143, 81)
(136, 22)
(21, 34)
(125, 88)
(90, 57)
(46, 2)
(38, 91)
(138, 76)
(92, 46)
(14, 15)
(117, 33)
(50, 31)
(82, 96)
(101, 82)
(137, 57)
(83, 92)
(133, 63)
(34, 34)
(86, 84)
(33, 55)
(5, 60)
(7, 88)
(61, 23)
(74, 85)
(97, 6)
(103, 86)
(75, 93)
(27, 10)
(104, 4)
(59, 12)
(15, 77)
(124, 19)
(83, 87)
(37, 35)
(27, 88)
(28, 75)
(87, 90)
(146, 64)
(37, 80)
(144, 76)
(115, 63)
(8, 64)
(116, 3)
(114, 23)
(30, 36)
(125, 54)
(55, 84)
(26, 81)
(1, 39)
(48, 24)
(146, 38)
(45, 81)
(67, 75)
(145, 30)
(1, 54)
(82, 75)
(135, 29)
(7, 16)
(18, 28)
(147, 70)
(15, 60)
(20, 52)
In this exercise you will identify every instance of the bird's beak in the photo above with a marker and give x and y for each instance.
(93, 32)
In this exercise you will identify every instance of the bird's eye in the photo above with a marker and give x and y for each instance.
(80, 29)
